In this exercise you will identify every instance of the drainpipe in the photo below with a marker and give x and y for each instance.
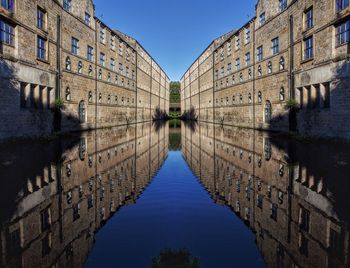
(96, 71)
(136, 72)
(213, 74)
(291, 58)
(57, 114)
(254, 127)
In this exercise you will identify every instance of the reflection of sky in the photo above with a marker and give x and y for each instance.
(175, 32)
(175, 212)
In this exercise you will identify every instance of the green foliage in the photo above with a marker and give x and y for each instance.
(292, 104)
(175, 88)
(59, 104)
(175, 259)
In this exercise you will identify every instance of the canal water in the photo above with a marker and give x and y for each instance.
(174, 195)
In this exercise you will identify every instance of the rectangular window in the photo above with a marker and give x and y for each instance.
(102, 59)
(120, 68)
(7, 4)
(75, 46)
(41, 48)
(41, 18)
(343, 33)
(112, 64)
(283, 5)
(67, 5)
(275, 46)
(90, 53)
(6, 33)
(45, 217)
(102, 35)
(262, 18)
(247, 58)
(342, 4)
(259, 54)
(247, 36)
(238, 64)
(87, 19)
(309, 18)
(309, 48)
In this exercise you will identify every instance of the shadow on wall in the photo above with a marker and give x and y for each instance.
(29, 109)
(324, 112)
(159, 115)
(189, 115)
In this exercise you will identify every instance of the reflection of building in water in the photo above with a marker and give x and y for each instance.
(59, 209)
(292, 208)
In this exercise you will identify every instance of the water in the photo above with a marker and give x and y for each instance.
(226, 197)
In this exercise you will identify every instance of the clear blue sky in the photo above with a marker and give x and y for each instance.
(175, 32)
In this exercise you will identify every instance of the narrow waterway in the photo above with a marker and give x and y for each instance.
(196, 195)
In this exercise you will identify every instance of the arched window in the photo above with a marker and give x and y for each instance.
(116, 79)
(250, 98)
(109, 99)
(80, 67)
(122, 81)
(90, 96)
(82, 112)
(109, 77)
(233, 79)
(100, 98)
(282, 94)
(68, 64)
(269, 67)
(100, 74)
(250, 74)
(268, 112)
(233, 99)
(116, 99)
(90, 70)
(68, 97)
(259, 70)
(240, 99)
(227, 99)
(259, 97)
(282, 63)
(241, 77)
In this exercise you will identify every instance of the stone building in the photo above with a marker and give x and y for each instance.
(287, 69)
(63, 69)
(59, 201)
(297, 210)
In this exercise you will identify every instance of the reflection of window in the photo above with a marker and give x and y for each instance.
(274, 209)
(82, 149)
(303, 244)
(304, 219)
(259, 201)
(82, 112)
(267, 149)
(268, 112)
(45, 216)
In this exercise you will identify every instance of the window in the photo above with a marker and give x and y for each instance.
(249, 98)
(90, 97)
(343, 33)
(80, 67)
(67, 5)
(67, 93)
(229, 47)
(222, 71)
(90, 53)
(262, 18)
(100, 74)
(90, 70)
(304, 219)
(259, 54)
(342, 4)
(112, 42)
(259, 70)
(109, 78)
(120, 48)
(282, 63)
(268, 112)
(112, 64)
(241, 77)
(41, 18)
(275, 46)
(238, 42)
(238, 64)
(229, 68)
(217, 74)
(309, 48)
(45, 217)
(75, 46)
(68, 64)
(282, 94)
(8, 4)
(102, 59)
(309, 18)
(259, 97)
(247, 58)
(283, 4)
(82, 112)
(127, 71)
(274, 209)
(102, 35)
(41, 49)
(6, 33)
(87, 19)
(250, 74)
(247, 35)
(120, 68)
(100, 98)
(269, 67)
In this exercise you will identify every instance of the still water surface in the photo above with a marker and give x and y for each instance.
(228, 197)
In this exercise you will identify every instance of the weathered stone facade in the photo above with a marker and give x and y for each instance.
(63, 200)
(287, 69)
(289, 194)
(63, 69)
